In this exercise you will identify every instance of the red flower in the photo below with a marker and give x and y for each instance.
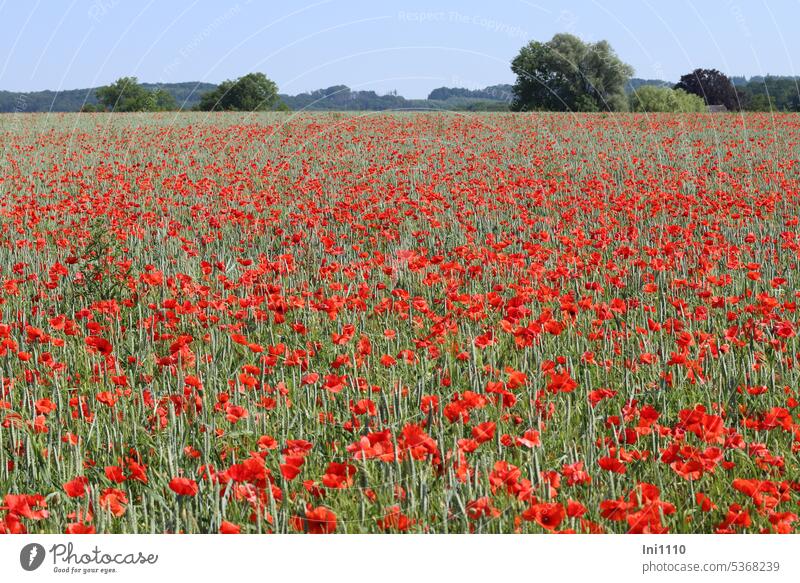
(529, 439)
(33, 507)
(484, 431)
(291, 465)
(229, 528)
(339, 475)
(114, 501)
(114, 473)
(234, 413)
(612, 465)
(80, 528)
(101, 345)
(395, 520)
(183, 486)
(76, 488)
(561, 382)
(45, 406)
(318, 520)
(482, 507)
(547, 515)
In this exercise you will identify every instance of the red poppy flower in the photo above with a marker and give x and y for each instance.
(319, 520)
(229, 528)
(183, 486)
(76, 488)
(547, 515)
(339, 475)
(114, 501)
(80, 528)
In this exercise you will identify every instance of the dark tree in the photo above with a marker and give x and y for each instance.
(714, 87)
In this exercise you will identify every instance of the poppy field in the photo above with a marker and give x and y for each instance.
(412, 322)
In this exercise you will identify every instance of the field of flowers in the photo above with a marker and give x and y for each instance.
(399, 323)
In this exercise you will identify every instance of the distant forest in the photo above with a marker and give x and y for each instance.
(339, 98)
(186, 95)
(777, 93)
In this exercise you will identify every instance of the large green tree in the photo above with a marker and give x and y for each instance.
(253, 92)
(126, 94)
(567, 74)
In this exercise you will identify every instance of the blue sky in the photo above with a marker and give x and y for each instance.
(408, 46)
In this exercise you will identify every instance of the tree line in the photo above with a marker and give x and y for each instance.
(562, 74)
